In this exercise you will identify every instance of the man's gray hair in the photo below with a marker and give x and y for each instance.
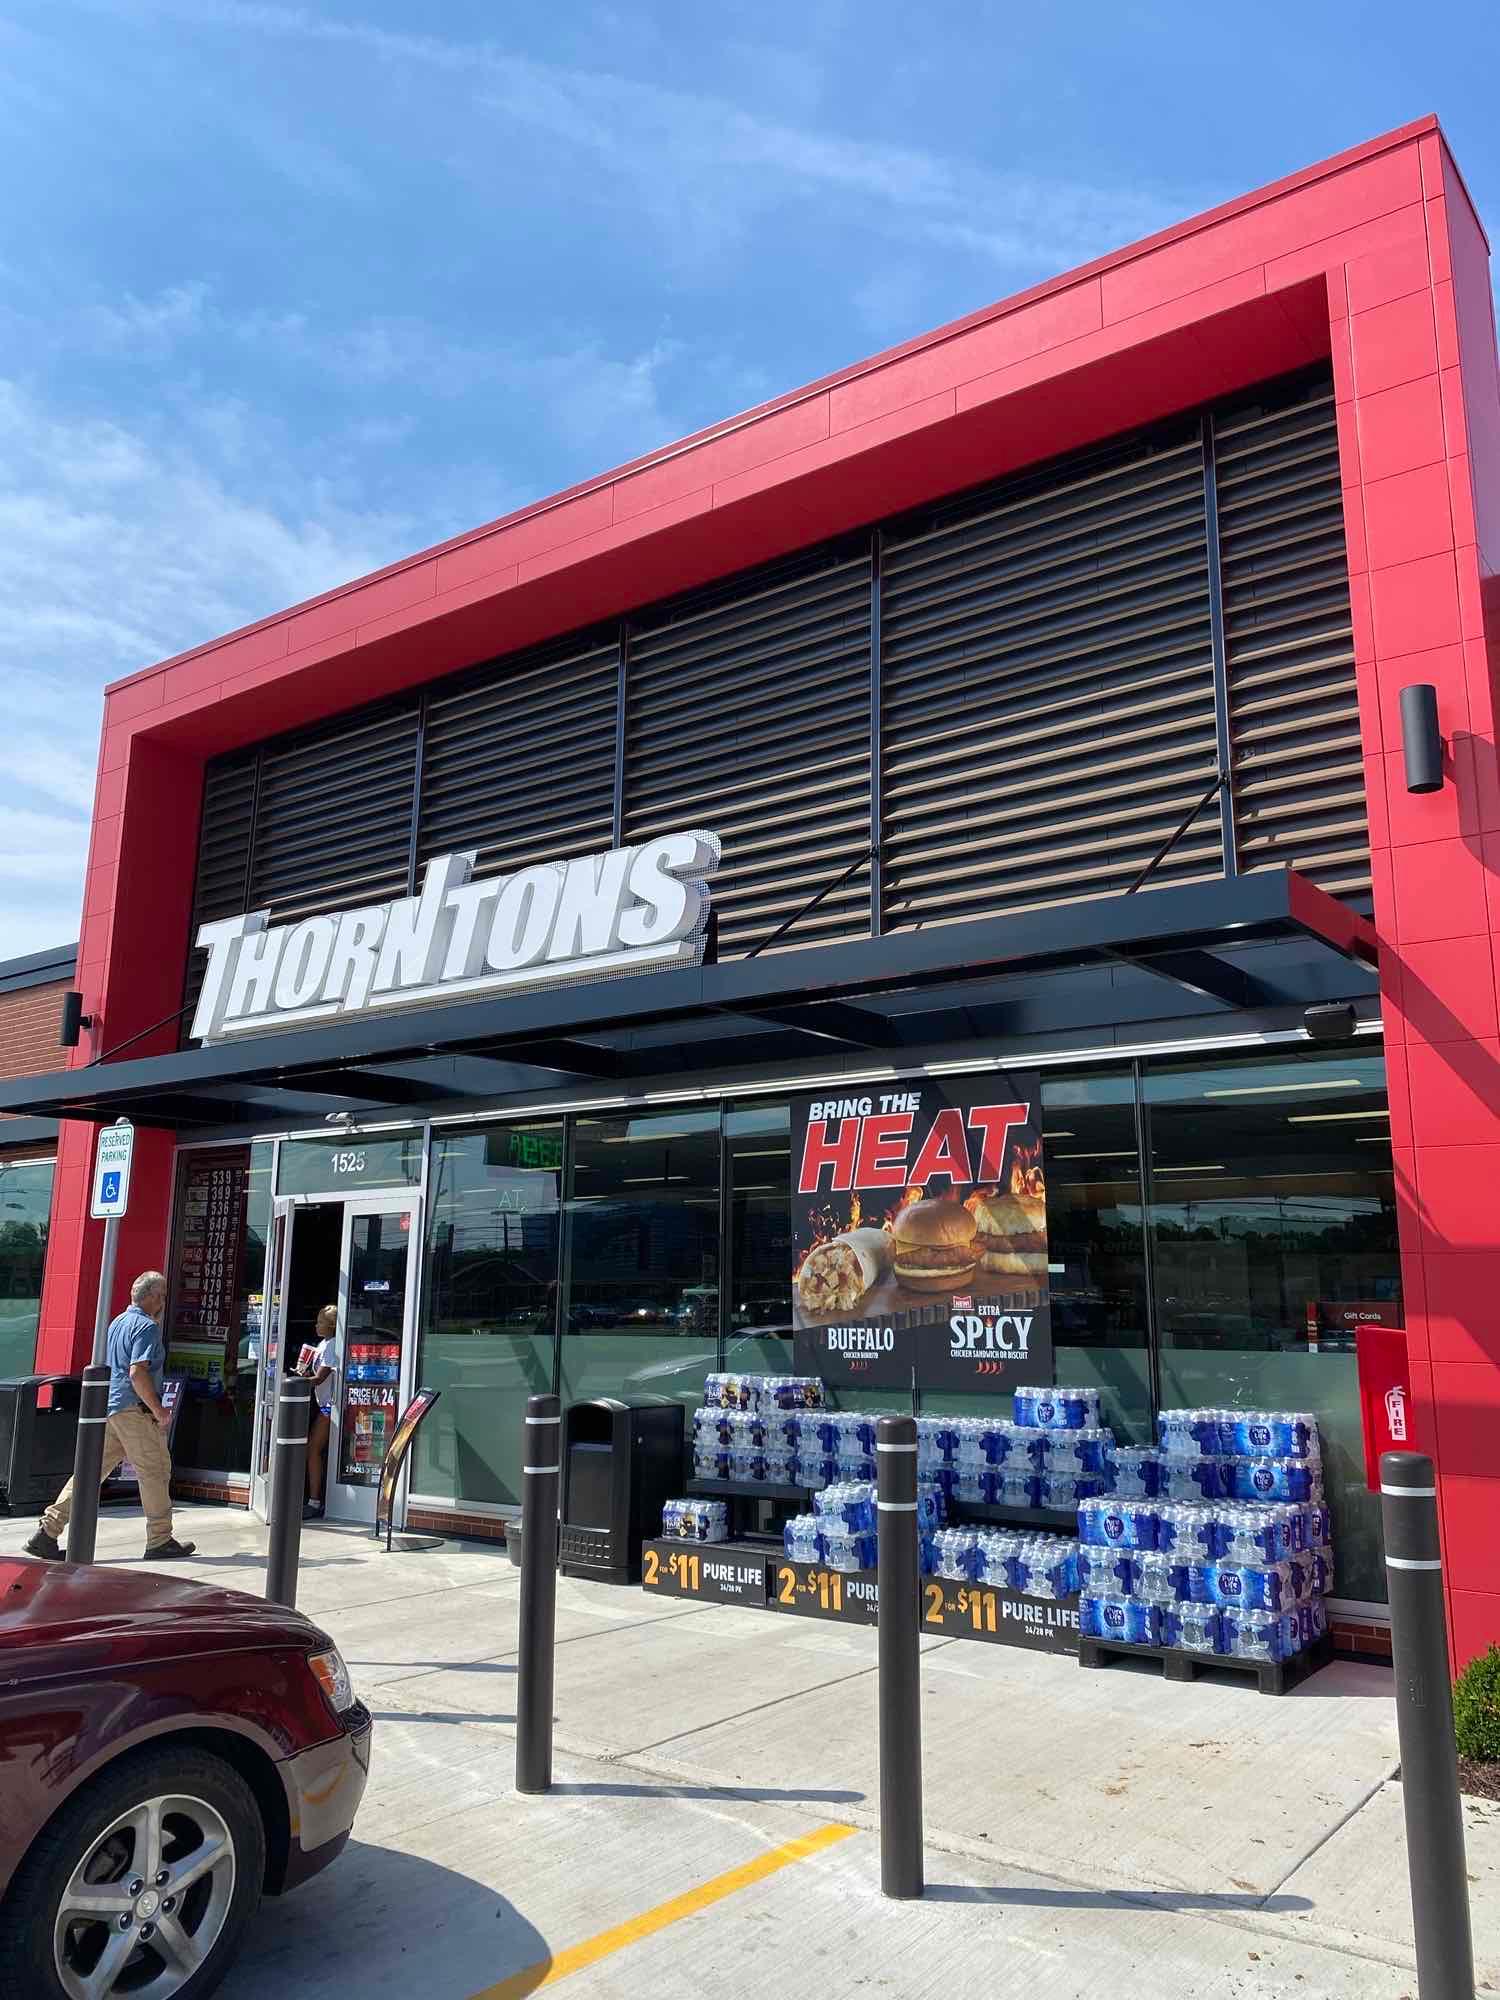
(148, 1281)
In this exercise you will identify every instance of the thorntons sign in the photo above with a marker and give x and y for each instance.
(634, 909)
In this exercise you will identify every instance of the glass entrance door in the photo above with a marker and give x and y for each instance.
(377, 1296)
(268, 1370)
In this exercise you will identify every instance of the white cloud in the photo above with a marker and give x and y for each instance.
(703, 167)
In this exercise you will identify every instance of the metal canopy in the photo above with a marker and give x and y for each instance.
(906, 990)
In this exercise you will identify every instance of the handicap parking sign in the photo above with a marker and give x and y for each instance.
(112, 1170)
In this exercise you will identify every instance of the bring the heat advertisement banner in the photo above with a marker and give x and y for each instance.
(919, 1231)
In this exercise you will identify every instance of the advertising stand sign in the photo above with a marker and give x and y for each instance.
(919, 1220)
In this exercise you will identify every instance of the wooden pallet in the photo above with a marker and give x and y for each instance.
(1271, 1676)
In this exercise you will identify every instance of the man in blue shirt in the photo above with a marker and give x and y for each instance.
(136, 1426)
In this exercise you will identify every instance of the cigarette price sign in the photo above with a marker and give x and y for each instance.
(111, 1195)
(705, 1571)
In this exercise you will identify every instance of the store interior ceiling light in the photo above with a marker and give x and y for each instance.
(1127, 1154)
(1221, 1169)
(1332, 1117)
(1059, 1135)
(1279, 1089)
(652, 1180)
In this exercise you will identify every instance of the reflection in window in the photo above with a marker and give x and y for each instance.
(219, 1362)
(25, 1207)
(1096, 1243)
(642, 1312)
(1272, 1193)
(644, 1248)
(759, 1329)
(489, 1305)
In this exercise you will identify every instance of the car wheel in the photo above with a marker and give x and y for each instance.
(141, 1885)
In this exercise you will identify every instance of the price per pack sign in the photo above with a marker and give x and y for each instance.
(704, 1571)
(1004, 1617)
(852, 1597)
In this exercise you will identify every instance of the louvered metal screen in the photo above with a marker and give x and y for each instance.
(221, 884)
(1299, 792)
(333, 821)
(748, 712)
(1048, 687)
(1047, 710)
(519, 761)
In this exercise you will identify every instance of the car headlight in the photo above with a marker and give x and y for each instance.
(332, 1677)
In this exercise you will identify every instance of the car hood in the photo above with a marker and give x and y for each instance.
(60, 1616)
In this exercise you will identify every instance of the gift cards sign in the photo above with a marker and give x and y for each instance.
(919, 1220)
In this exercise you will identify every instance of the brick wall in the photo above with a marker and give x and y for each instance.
(28, 1030)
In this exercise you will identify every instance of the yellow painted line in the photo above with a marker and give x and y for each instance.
(579, 1956)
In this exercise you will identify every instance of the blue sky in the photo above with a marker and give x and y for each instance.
(287, 291)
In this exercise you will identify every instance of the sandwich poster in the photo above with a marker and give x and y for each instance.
(919, 1231)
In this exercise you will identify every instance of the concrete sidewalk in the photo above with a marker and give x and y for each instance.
(710, 1762)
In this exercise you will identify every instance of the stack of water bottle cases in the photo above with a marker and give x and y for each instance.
(1216, 1542)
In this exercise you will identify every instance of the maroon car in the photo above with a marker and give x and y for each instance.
(168, 1752)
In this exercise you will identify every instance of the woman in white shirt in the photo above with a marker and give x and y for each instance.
(324, 1370)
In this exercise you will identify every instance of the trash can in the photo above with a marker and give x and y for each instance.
(621, 1461)
(36, 1443)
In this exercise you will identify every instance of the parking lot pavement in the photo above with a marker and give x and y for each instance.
(714, 1827)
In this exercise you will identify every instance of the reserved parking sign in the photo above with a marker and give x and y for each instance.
(112, 1170)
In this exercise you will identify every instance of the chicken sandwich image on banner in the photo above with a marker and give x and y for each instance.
(919, 1231)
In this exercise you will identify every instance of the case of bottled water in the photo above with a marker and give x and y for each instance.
(1192, 1433)
(1062, 1490)
(1188, 1531)
(1269, 1588)
(1124, 1620)
(1044, 1566)
(1271, 1434)
(746, 1463)
(1132, 1471)
(813, 1468)
(1030, 1445)
(1260, 1635)
(1109, 1522)
(802, 1539)
(1287, 1479)
(1086, 1450)
(762, 1392)
(1161, 1579)
(956, 1553)
(1192, 1478)
(710, 1460)
(1109, 1572)
(696, 1520)
(1196, 1628)
(847, 1548)
(1016, 1486)
(848, 1504)
(1061, 1408)
(973, 1484)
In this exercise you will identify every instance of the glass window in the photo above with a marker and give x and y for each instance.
(25, 1210)
(1272, 1192)
(642, 1313)
(758, 1328)
(350, 1164)
(1096, 1244)
(215, 1308)
(489, 1305)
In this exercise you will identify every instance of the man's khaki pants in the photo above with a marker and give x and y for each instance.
(132, 1434)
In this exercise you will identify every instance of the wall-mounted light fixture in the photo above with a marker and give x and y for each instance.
(73, 1020)
(1420, 738)
(1336, 1022)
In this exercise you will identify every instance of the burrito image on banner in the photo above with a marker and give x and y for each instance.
(835, 1276)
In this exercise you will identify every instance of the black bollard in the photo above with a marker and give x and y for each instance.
(1424, 1723)
(541, 1464)
(88, 1460)
(288, 1488)
(899, 1692)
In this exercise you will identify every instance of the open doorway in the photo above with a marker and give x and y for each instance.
(311, 1281)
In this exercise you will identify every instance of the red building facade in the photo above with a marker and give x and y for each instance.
(1375, 261)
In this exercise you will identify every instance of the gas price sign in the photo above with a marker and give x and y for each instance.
(704, 1571)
